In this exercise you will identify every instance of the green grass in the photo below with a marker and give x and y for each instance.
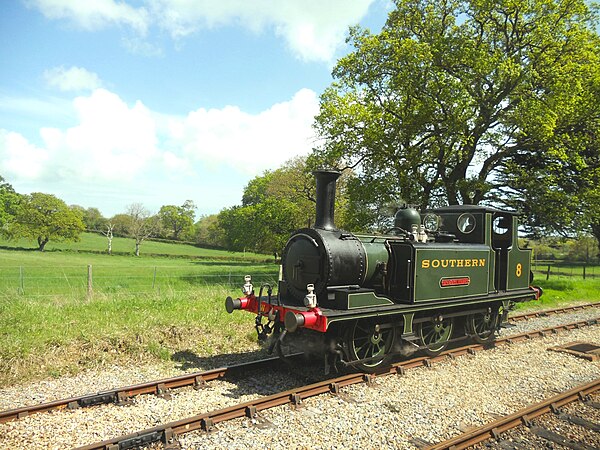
(562, 290)
(91, 242)
(65, 272)
(51, 336)
(147, 308)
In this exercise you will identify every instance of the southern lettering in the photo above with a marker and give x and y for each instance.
(436, 263)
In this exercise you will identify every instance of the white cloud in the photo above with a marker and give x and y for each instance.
(312, 29)
(111, 142)
(249, 143)
(96, 14)
(125, 148)
(19, 158)
(72, 79)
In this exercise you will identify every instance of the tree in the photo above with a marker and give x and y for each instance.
(121, 224)
(554, 178)
(9, 201)
(208, 232)
(141, 225)
(44, 217)
(93, 219)
(264, 227)
(582, 249)
(430, 110)
(108, 232)
(177, 219)
(274, 205)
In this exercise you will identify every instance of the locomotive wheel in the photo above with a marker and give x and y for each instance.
(482, 326)
(369, 340)
(435, 334)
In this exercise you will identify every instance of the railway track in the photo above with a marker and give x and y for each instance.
(123, 395)
(525, 417)
(167, 433)
(550, 312)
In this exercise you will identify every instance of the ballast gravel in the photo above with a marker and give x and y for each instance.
(426, 405)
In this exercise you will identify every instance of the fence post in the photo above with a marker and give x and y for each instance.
(90, 287)
(21, 281)
(154, 278)
(548, 273)
(584, 272)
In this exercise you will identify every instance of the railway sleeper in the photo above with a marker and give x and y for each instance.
(167, 437)
(576, 420)
(559, 439)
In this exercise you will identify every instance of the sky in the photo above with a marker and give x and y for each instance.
(106, 103)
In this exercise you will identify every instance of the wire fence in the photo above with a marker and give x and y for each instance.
(87, 280)
(559, 268)
(81, 280)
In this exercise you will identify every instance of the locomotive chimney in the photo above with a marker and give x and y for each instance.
(325, 198)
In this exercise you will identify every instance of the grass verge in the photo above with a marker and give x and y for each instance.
(51, 337)
(561, 291)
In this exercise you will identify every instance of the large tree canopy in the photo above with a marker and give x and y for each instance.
(434, 108)
(555, 179)
(44, 217)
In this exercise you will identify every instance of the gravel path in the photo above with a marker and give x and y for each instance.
(428, 404)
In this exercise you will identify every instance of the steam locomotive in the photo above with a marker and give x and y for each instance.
(361, 300)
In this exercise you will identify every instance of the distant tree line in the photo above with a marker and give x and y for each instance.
(43, 218)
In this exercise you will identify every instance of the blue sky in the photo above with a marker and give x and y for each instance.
(109, 103)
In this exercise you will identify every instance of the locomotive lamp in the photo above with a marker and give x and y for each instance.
(310, 301)
(247, 289)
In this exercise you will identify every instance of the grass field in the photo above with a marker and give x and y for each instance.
(147, 309)
(96, 243)
(63, 270)
(43, 337)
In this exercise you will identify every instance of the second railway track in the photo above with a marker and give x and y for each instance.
(583, 396)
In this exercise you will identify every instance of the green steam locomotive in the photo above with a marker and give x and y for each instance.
(360, 300)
